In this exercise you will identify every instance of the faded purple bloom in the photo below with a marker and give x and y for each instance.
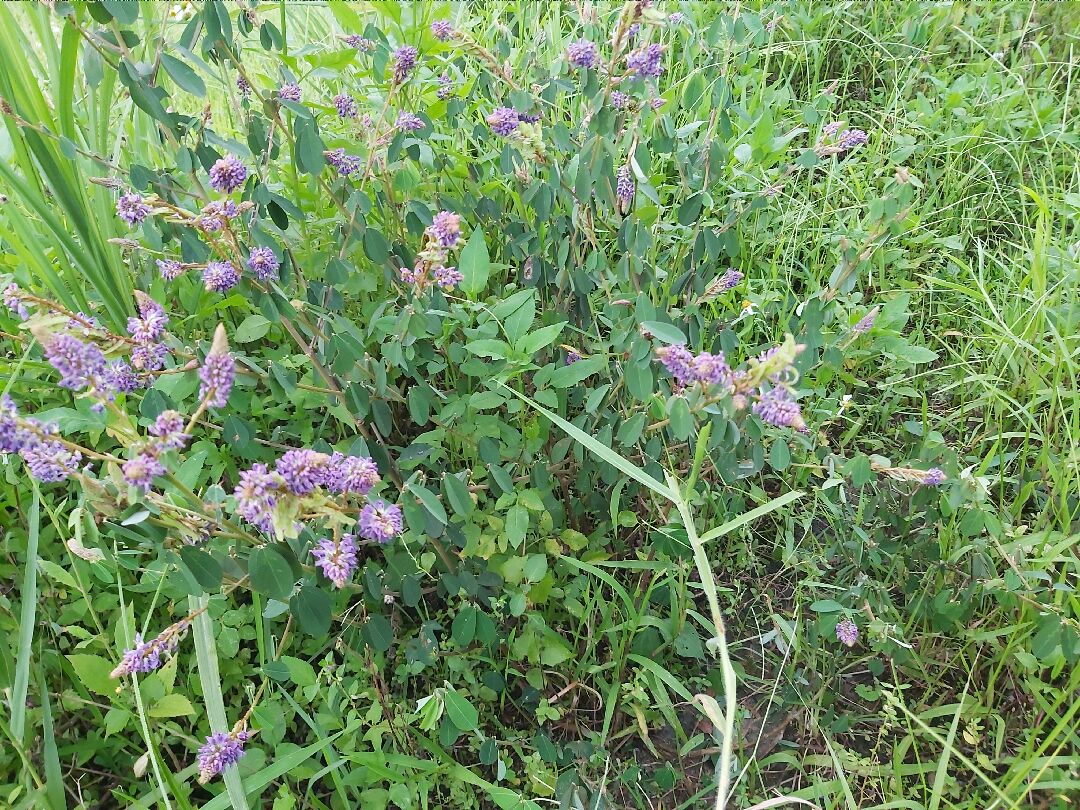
(228, 174)
(360, 43)
(380, 521)
(263, 263)
(830, 129)
(572, 357)
(645, 61)
(350, 474)
(141, 470)
(624, 186)
(217, 374)
(290, 91)
(256, 496)
(445, 229)
(220, 751)
(13, 300)
(442, 30)
(346, 105)
(412, 275)
(847, 632)
(336, 558)
(850, 138)
(220, 276)
(131, 208)
(730, 279)
(170, 269)
(447, 277)
(12, 437)
(776, 407)
(146, 656)
(83, 323)
(50, 460)
(407, 122)
(677, 18)
(657, 103)
(404, 61)
(446, 86)
(679, 362)
(80, 364)
(582, 53)
(119, 378)
(528, 118)
(302, 470)
(712, 369)
(151, 325)
(344, 164)
(243, 86)
(168, 427)
(933, 477)
(866, 323)
(633, 31)
(503, 121)
(619, 100)
(149, 356)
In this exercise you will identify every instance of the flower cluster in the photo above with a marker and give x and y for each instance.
(217, 374)
(343, 163)
(624, 187)
(14, 301)
(408, 122)
(446, 87)
(345, 105)
(221, 750)
(47, 457)
(441, 236)
(404, 62)
(847, 632)
(146, 656)
(645, 61)
(132, 209)
(582, 54)
(263, 263)
(290, 91)
(442, 30)
(360, 43)
(220, 277)
(835, 140)
(147, 330)
(503, 121)
(228, 174)
(336, 558)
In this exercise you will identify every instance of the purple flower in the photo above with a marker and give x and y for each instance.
(847, 632)
(850, 138)
(228, 174)
(446, 86)
(380, 521)
(866, 323)
(79, 364)
(360, 43)
(657, 103)
(302, 470)
(169, 430)
(679, 362)
(344, 164)
(217, 374)
(131, 208)
(712, 369)
(407, 122)
(572, 357)
(677, 18)
(633, 31)
(830, 129)
(350, 474)
(776, 407)
(146, 656)
(119, 378)
(933, 477)
(582, 53)
(645, 61)
(346, 105)
(49, 460)
(13, 300)
(151, 325)
(336, 558)
(442, 30)
(730, 279)
(619, 100)
(445, 229)
(141, 471)
(263, 263)
(290, 91)
(404, 61)
(503, 121)
(170, 269)
(412, 275)
(220, 276)
(447, 277)
(243, 86)
(149, 356)
(220, 751)
(256, 496)
(624, 186)
(12, 437)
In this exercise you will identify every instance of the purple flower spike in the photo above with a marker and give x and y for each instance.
(645, 61)
(360, 43)
(50, 460)
(169, 430)
(346, 105)
(221, 750)
(572, 357)
(712, 369)
(13, 300)
(934, 477)
(217, 374)
(380, 521)
(679, 362)
(850, 138)
(80, 364)
(228, 174)
(847, 632)
(344, 164)
(503, 121)
(336, 558)
(263, 263)
(256, 496)
(776, 407)
(445, 229)
(730, 279)
(407, 122)
(220, 277)
(131, 208)
(404, 61)
(141, 471)
(624, 186)
(289, 91)
(12, 437)
(446, 86)
(582, 53)
(442, 30)
(619, 100)
(170, 269)
(350, 474)
(447, 277)
(866, 322)
(243, 86)
(302, 470)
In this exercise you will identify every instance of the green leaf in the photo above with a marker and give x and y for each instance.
(311, 607)
(300, 671)
(664, 331)
(378, 632)
(94, 672)
(182, 73)
(270, 573)
(205, 569)
(566, 376)
(540, 338)
(826, 606)
(430, 502)
(172, 706)
(56, 573)
(752, 515)
(457, 495)
(489, 347)
(517, 524)
(309, 147)
(124, 12)
(461, 713)
(474, 263)
(251, 328)
(463, 629)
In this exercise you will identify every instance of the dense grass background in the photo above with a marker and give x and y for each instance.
(963, 693)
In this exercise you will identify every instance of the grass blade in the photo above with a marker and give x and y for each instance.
(27, 619)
